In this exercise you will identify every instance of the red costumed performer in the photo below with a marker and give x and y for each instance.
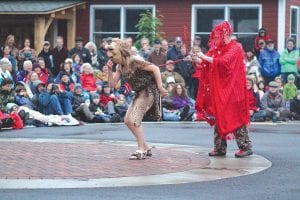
(222, 94)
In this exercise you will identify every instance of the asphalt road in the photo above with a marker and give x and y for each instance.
(280, 143)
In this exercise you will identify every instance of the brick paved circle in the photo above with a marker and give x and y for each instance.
(57, 160)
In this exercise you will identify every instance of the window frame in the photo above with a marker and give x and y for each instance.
(297, 24)
(226, 8)
(123, 9)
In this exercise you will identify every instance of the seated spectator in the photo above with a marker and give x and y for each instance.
(42, 74)
(66, 84)
(22, 98)
(107, 98)
(280, 82)
(170, 72)
(67, 69)
(288, 60)
(11, 58)
(102, 55)
(255, 112)
(32, 77)
(54, 101)
(252, 64)
(22, 74)
(261, 89)
(274, 104)
(91, 46)
(102, 75)
(290, 89)
(87, 79)
(269, 61)
(5, 68)
(295, 107)
(98, 111)
(80, 105)
(77, 63)
(121, 106)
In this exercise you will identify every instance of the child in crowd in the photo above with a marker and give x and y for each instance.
(295, 107)
(290, 89)
(77, 63)
(66, 68)
(42, 74)
(21, 97)
(98, 110)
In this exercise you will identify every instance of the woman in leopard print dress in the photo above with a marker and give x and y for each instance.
(145, 80)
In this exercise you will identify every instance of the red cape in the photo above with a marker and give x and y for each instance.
(222, 94)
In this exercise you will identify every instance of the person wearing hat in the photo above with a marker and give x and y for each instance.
(59, 54)
(80, 50)
(170, 72)
(262, 35)
(274, 104)
(175, 52)
(290, 89)
(295, 107)
(288, 60)
(269, 61)
(46, 54)
(158, 55)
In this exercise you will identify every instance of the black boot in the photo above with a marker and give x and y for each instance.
(7, 122)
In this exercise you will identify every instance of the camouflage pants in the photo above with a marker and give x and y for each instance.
(241, 136)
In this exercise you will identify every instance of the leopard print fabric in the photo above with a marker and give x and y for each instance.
(146, 102)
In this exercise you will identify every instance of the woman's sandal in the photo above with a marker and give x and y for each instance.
(149, 151)
(138, 155)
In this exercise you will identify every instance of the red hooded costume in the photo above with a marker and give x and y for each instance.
(222, 95)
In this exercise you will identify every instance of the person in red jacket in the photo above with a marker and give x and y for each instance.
(87, 79)
(262, 34)
(223, 95)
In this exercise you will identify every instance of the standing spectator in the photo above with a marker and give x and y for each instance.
(197, 43)
(91, 46)
(80, 50)
(170, 73)
(165, 46)
(158, 55)
(130, 41)
(102, 54)
(145, 50)
(262, 46)
(274, 104)
(269, 61)
(46, 54)
(27, 53)
(10, 42)
(288, 60)
(175, 52)
(262, 35)
(60, 53)
(290, 89)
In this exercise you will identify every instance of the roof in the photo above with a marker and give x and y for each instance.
(36, 7)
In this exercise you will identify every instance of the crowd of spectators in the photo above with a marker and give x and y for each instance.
(60, 86)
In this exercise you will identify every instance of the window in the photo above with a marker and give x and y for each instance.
(245, 21)
(294, 24)
(115, 21)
